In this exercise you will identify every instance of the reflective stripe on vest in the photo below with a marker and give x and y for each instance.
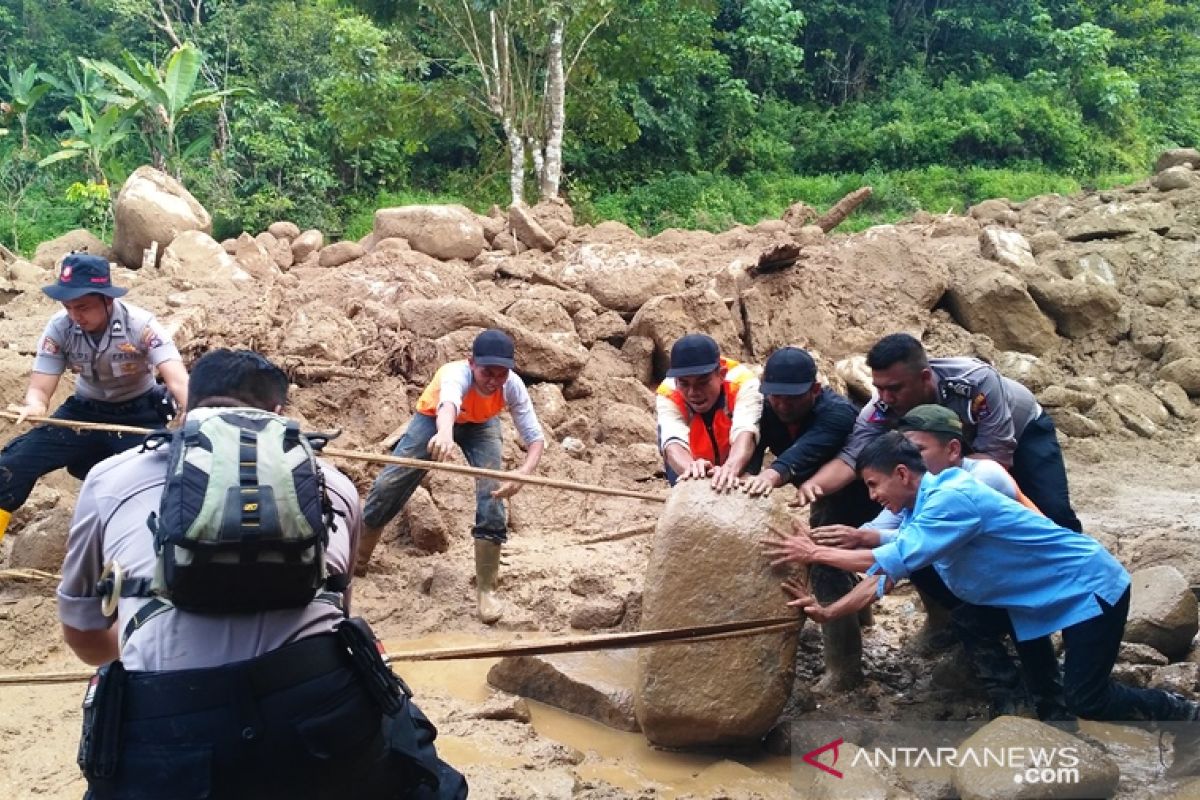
(710, 439)
(475, 406)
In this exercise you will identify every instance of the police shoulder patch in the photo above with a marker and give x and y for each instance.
(49, 346)
(956, 387)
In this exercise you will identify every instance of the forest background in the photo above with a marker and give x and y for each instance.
(678, 113)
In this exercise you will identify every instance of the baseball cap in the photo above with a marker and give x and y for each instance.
(789, 370)
(83, 273)
(932, 418)
(694, 354)
(493, 348)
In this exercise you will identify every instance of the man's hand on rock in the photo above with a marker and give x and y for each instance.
(725, 478)
(697, 470)
(807, 494)
(786, 548)
(843, 536)
(763, 483)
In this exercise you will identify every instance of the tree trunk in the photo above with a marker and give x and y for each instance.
(556, 116)
(516, 168)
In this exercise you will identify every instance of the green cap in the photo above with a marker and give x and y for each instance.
(932, 418)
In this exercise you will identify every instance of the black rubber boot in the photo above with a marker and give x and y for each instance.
(985, 648)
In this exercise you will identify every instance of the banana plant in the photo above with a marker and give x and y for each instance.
(161, 98)
(93, 136)
(22, 90)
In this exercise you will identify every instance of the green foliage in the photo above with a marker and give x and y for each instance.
(95, 205)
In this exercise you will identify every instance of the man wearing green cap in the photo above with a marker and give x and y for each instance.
(113, 348)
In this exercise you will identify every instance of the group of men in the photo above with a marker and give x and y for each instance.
(279, 700)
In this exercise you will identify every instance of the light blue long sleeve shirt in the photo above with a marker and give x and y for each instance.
(992, 551)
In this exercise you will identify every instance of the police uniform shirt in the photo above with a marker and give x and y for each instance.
(110, 525)
(994, 410)
(117, 368)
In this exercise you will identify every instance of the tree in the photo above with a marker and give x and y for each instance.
(94, 137)
(24, 88)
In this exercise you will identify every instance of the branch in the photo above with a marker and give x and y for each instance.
(165, 26)
(587, 37)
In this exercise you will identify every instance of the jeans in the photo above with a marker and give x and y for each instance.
(481, 445)
(1039, 470)
(46, 448)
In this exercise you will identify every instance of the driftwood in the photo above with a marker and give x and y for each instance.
(842, 209)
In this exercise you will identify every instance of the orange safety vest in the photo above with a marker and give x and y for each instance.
(475, 406)
(709, 438)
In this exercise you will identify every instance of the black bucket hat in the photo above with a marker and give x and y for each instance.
(83, 274)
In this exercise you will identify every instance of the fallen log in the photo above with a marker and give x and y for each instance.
(842, 209)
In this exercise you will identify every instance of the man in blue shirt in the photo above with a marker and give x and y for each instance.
(992, 551)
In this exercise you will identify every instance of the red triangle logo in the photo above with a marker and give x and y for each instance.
(810, 757)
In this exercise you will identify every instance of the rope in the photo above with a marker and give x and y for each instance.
(361, 455)
(696, 634)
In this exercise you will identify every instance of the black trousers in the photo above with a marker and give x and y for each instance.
(220, 733)
(46, 448)
(1039, 470)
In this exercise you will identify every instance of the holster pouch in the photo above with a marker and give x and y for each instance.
(366, 654)
(100, 742)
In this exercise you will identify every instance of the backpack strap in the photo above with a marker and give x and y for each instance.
(147, 612)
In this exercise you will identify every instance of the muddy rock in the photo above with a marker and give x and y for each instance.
(1079, 306)
(48, 254)
(1183, 677)
(1114, 220)
(1185, 372)
(280, 249)
(798, 215)
(544, 316)
(622, 424)
(998, 211)
(492, 226)
(997, 305)
(1074, 424)
(608, 326)
(284, 230)
(621, 277)
(25, 274)
(153, 207)
(42, 544)
(1162, 611)
(719, 692)
(425, 523)
(1139, 409)
(598, 612)
(1044, 242)
(603, 368)
(1180, 156)
(319, 332)
(638, 352)
(438, 317)
(864, 782)
(1172, 178)
(340, 253)
(597, 685)
(527, 229)
(504, 707)
(555, 216)
(1098, 772)
(1008, 248)
(393, 243)
(1131, 653)
(444, 232)
(664, 319)
(307, 243)
(549, 404)
(543, 357)
(196, 257)
(1062, 397)
(953, 225)
(253, 258)
(1174, 398)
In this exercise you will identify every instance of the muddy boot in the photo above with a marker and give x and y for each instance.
(1043, 679)
(1186, 761)
(366, 545)
(487, 565)
(937, 634)
(842, 640)
(984, 644)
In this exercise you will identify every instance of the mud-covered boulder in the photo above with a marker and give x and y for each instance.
(28, 276)
(1114, 220)
(997, 305)
(1174, 178)
(543, 357)
(1162, 611)
(437, 317)
(153, 207)
(1080, 306)
(307, 243)
(425, 523)
(596, 685)
(622, 424)
(255, 259)
(284, 230)
(998, 211)
(1139, 409)
(48, 254)
(1074, 424)
(42, 544)
(280, 249)
(621, 278)
(549, 403)
(200, 259)
(598, 612)
(555, 217)
(1176, 157)
(984, 779)
(593, 327)
(1007, 247)
(527, 229)
(444, 232)
(319, 332)
(544, 316)
(1185, 372)
(340, 253)
(1174, 398)
(707, 566)
(665, 318)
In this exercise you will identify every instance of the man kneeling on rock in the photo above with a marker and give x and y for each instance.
(804, 425)
(990, 550)
(461, 406)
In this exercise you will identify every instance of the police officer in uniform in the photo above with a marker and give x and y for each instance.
(241, 706)
(113, 347)
(1002, 420)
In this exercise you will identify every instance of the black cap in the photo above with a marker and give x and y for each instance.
(493, 348)
(83, 273)
(694, 354)
(789, 370)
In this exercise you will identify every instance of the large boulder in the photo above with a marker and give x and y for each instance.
(1162, 611)
(996, 304)
(621, 278)
(48, 254)
(1071, 768)
(1080, 306)
(319, 332)
(1120, 219)
(724, 692)
(1174, 178)
(198, 258)
(1185, 372)
(307, 243)
(284, 230)
(527, 229)
(153, 207)
(340, 253)
(43, 543)
(1138, 408)
(445, 232)
(665, 318)
(255, 259)
(1177, 157)
(1007, 247)
(596, 685)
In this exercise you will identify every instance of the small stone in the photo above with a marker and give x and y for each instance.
(598, 612)
(586, 585)
(1131, 653)
(503, 707)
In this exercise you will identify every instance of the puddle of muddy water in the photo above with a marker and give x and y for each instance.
(619, 758)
